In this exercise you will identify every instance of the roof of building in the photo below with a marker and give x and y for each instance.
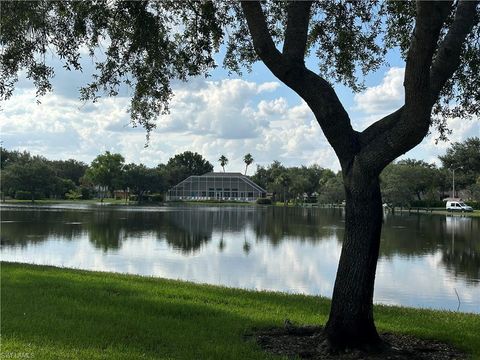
(223, 174)
(226, 174)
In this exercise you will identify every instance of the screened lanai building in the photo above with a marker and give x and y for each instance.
(217, 186)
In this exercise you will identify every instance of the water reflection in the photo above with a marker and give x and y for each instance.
(188, 229)
(455, 237)
(289, 249)
(462, 255)
(21, 228)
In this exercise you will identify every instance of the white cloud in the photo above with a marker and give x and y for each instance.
(380, 100)
(383, 98)
(221, 109)
(269, 86)
(231, 117)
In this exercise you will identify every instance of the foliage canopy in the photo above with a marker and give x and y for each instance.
(148, 44)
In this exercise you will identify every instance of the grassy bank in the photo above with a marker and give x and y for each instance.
(53, 313)
(106, 201)
(437, 211)
(212, 202)
(111, 201)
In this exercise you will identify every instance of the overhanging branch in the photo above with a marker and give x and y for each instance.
(298, 17)
(430, 17)
(262, 41)
(316, 91)
(447, 59)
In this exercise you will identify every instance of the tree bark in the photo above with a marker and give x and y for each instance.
(351, 323)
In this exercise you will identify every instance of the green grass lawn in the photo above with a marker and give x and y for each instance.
(474, 213)
(55, 313)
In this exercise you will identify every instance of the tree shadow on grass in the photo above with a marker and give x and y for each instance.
(84, 312)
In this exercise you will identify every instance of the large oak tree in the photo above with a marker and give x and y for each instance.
(148, 44)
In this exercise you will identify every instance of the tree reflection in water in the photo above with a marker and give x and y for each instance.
(462, 257)
(189, 229)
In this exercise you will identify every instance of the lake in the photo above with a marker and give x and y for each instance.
(425, 260)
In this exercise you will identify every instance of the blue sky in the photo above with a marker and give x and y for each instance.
(222, 114)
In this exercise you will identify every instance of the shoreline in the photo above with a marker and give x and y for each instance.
(121, 203)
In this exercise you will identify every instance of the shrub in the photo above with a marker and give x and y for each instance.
(428, 203)
(264, 201)
(73, 194)
(86, 193)
(155, 197)
(474, 204)
(27, 195)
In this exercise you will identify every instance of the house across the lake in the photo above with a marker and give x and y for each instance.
(216, 186)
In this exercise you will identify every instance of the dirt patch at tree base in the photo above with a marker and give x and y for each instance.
(310, 343)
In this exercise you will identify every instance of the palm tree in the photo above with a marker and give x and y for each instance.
(284, 181)
(223, 161)
(247, 159)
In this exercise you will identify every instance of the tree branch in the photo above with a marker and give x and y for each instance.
(262, 41)
(298, 17)
(429, 20)
(447, 59)
(400, 131)
(316, 91)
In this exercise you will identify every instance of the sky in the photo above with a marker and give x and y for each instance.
(214, 116)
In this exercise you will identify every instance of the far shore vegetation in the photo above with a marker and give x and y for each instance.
(53, 313)
(405, 184)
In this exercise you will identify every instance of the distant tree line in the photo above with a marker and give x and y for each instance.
(300, 183)
(404, 183)
(28, 177)
(25, 176)
(417, 183)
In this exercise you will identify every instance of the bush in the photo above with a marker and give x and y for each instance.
(62, 187)
(428, 203)
(73, 195)
(474, 204)
(27, 195)
(264, 201)
(86, 192)
(155, 197)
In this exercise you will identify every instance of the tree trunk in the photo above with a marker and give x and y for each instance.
(351, 316)
(351, 324)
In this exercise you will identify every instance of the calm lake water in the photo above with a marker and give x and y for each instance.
(424, 260)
